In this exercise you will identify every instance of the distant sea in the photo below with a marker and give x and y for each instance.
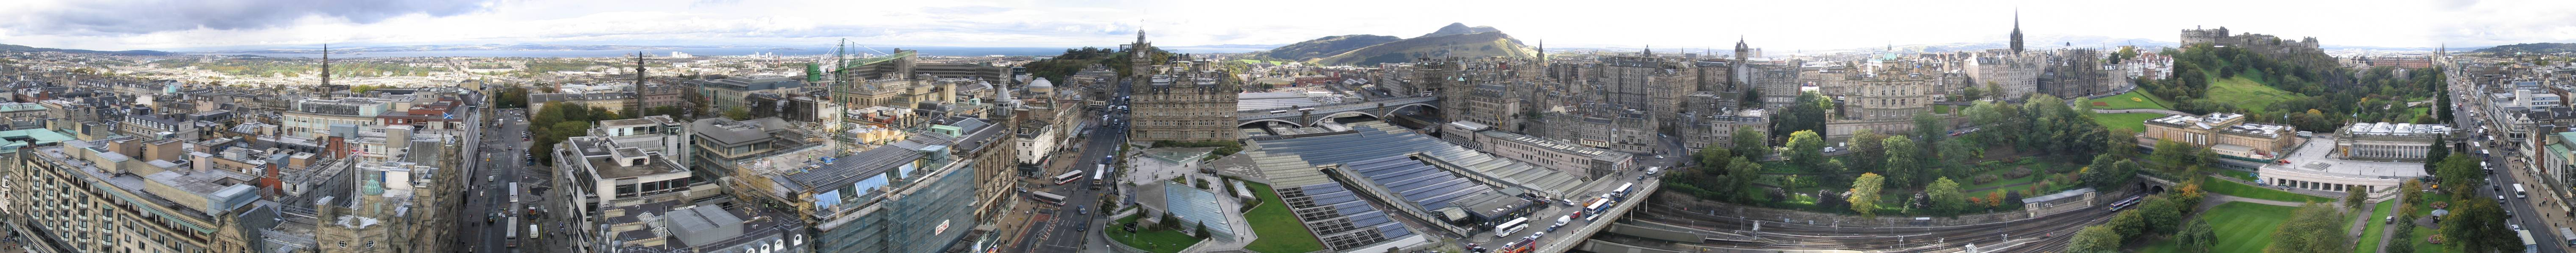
(729, 51)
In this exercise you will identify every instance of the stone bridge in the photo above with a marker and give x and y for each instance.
(1309, 116)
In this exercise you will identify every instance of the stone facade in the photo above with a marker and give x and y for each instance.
(1181, 100)
(2226, 133)
(2387, 141)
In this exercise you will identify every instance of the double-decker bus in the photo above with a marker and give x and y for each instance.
(1048, 198)
(1068, 177)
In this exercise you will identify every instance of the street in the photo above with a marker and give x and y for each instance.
(2526, 210)
(505, 155)
(1068, 228)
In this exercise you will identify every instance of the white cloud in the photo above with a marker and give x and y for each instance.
(1664, 24)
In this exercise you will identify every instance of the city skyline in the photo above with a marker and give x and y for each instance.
(1795, 25)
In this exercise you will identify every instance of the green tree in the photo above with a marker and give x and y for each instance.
(2401, 246)
(2094, 239)
(2410, 192)
(1864, 194)
(1928, 128)
(1750, 142)
(2129, 223)
(1901, 164)
(1971, 94)
(2314, 228)
(1808, 113)
(1202, 232)
(2198, 237)
(2433, 156)
(1807, 150)
(2162, 213)
(738, 113)
(2353, 197)
(1868, 151)
(2478, 226)
(1946, 195)
(2459, 173)
(1740, 175)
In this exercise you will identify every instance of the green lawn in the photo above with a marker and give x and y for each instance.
(2246, 93)
(2134, 122)
(2232, 188)
(2242, 227)
(1280, 232)
(1941, 109)
(2136, 99)
(2370, 236)
(1153, 240)
(2425, 209)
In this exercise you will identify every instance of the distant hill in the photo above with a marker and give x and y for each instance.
(2542, 48)
(1325, 47)
(1460, 45)
(18, 48)
(1457, 28)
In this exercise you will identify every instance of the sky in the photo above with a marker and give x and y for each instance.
(1768, 24)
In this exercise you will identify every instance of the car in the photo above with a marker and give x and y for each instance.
(2392, 219)
(2499, 198)
(2515, 227)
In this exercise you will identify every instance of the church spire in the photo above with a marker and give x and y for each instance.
(2016, 32)
(326, 65)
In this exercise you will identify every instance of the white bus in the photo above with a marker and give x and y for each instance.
(1593, 211)
(514, 192)
(512, 235)
(1508, 227)
(2528, 245)
(1068, 177)
(2517, 191)
(1049, 198)
(1622, 193)
(1098, 175)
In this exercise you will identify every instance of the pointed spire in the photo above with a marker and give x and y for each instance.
(326, 64)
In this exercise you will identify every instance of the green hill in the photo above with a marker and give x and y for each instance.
(1461, 45)
(1326, 46)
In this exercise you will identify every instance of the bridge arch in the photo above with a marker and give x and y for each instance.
(1255, 123)
(1329, 117)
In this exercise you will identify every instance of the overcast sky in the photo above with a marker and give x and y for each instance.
(1770, 24)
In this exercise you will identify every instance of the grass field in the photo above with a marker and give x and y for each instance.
(2246, 93)
(2242, 227)
(2134, 122)
(2136, 99)
(1153, 240)
(2370, 236)
(1280, 232)
(2232, 188)
(2425, 209)
(1940, 109)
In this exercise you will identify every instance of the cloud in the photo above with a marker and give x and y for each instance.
(148, 16)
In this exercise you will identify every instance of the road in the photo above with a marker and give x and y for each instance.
(2526, 211)
(506, 155)
(1067, 226)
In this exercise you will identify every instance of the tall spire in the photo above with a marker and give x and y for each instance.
(326, 65)
(2016, 32)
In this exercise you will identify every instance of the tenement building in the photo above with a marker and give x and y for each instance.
(2387, 141)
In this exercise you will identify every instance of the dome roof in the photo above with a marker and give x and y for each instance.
(1041, 83)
